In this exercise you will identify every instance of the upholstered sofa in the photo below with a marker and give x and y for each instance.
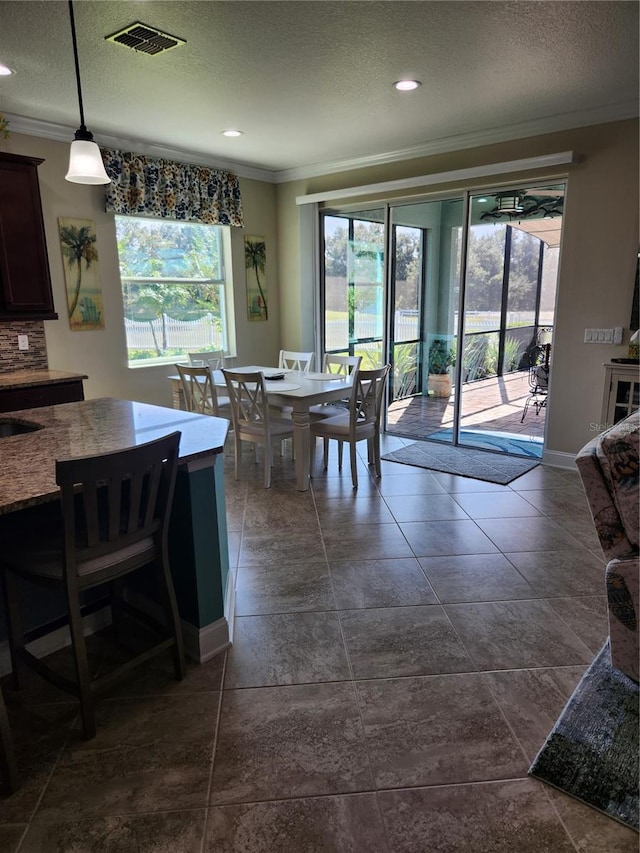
(608, 466)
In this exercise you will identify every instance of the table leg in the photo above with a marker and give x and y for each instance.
(301, 438)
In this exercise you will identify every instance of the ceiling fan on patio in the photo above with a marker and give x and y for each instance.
(523, 204)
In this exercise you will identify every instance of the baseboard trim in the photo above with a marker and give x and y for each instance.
(559, 460)
(230, 602)
(202, 644)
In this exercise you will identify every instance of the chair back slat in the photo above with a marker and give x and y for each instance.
(134, 500)
(113, 495)
(150, 494)
(115, 499)
(90, 515)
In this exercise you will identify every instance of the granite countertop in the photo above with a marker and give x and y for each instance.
(29, 378)
(87, 428)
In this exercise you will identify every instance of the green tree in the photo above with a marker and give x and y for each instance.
(408, 258)
(523, 271)
(335, 253)
(78, 245)
(485, 269)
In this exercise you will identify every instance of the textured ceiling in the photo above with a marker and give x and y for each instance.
(310, 82)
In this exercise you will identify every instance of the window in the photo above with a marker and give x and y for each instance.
(176, 295)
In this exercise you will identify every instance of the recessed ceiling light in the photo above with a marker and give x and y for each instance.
(5, 71)
(232, 132)
(407, 85)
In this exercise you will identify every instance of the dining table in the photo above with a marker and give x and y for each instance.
(297, 391)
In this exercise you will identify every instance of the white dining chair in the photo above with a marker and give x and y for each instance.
(361, 422)
(340, 365)
(200, 393)
(215, 359)
(290, 360)
(301, 361)
(252, 420)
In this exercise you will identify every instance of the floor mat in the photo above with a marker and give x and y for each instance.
(592, 750)
(464, 461)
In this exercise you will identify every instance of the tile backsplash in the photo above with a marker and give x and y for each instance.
(12, 358)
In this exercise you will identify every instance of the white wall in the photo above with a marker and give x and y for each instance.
(102, 354)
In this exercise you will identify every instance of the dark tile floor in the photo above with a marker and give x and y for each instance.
(400, 654)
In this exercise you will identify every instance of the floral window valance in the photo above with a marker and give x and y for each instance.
(150, 186)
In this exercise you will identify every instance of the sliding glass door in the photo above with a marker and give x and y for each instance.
(402, 282)
(511, 274)
(424, 292)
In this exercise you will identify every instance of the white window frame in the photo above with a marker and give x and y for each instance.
(224, 283)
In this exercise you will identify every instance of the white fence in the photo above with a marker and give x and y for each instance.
(167, 333)
(407, 325)
(369, 326)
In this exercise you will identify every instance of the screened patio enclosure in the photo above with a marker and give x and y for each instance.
(458, 294)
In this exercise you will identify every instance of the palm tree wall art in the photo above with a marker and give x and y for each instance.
(255, 259)
(80, 260)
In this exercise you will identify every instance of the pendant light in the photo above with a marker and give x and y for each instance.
(85, 160)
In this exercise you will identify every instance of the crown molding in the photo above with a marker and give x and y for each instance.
(544, 161)
(444, 145)
(62, 133)
(474, 139)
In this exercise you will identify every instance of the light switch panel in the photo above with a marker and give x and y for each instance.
(598, 336)
(617, 335)
(23, 342)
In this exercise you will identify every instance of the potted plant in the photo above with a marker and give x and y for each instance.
(441, 358)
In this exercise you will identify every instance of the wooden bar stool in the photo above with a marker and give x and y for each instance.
(112, 520)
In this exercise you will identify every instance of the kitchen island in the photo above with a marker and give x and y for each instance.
(197, 534)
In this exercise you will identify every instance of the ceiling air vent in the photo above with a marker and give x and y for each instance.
(145, 39)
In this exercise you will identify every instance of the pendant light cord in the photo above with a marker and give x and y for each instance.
(75, 56)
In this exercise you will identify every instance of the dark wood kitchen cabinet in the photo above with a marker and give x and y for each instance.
(32, 389)
(25, 282)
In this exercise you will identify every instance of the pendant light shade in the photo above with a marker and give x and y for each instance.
(85, 160)
(85, 163)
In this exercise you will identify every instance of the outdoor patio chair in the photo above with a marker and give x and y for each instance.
(538, 379)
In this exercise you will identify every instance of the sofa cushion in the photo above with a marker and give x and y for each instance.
(613, 539)
(618, 456)
(623, 597)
